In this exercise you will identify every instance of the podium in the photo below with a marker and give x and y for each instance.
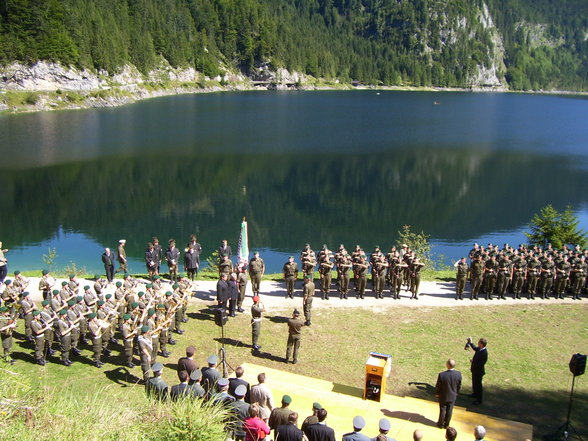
(377, 370)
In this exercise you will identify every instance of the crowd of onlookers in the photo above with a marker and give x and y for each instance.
(254, 415)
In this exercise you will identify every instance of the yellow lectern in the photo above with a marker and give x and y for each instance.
(377, 370)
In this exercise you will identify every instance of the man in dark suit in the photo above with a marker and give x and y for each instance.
(477, 368)
(187, 363)
(183, 389)
(238, 381)
(289, 432)
(222, 292)
(108, 261)
(224, 250)
(320, 431)
(447, 388)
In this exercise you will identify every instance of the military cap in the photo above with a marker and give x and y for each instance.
(62, 312)
(118, 284)
(96, 276)
(157, 277)
(317, 406)
(144, 328)
(17, 272)
(71, 302)
(306, 245)
(377, 246)
(175, 285)
(135, 305)
(36, 312)
(108, 296)
(25, 294)
(45, 302)
(140, 294)
(256, 298)
(64, 283)
(149, 285)
(213, 359)
(223, 382)
(157, 367)
(286, 399)
(45, 272)
(197, 375)
(3, 309)
(241, 390)
(168, 293)
(150, 312)
(296, 312)
(291, 257)
(71, 276)
(122, 241)
(79, 299)
(87, 287)
(126, 316)
(100, 302)
(126, 275)
(358, 422)
(160, 306)
(7, 282)
(55, 292)
(385, 424)
(256, 253)
(92, 315)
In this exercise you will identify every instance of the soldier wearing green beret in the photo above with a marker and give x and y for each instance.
(104, 315)
(73, 285)
(38, 329)
(7, 325)
(20, 282)
(325, 267)
(48, 317)
(74, 319)
(82, 311)
(96, 327)
(163, 325)
(46, 284)
(343, 266)
(90, 298)
(533, 269)
(27, 306)
(100, 285)
(290, 271)
(129, 334)
(145, 351)
(10, 296)
(64, 328)
(379, 271)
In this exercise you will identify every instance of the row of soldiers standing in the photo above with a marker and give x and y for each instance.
(394, 270)
(71, 317)
(526, 270)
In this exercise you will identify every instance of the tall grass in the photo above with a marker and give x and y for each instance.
(29, 412)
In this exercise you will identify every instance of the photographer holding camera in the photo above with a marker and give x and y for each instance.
(477, 368)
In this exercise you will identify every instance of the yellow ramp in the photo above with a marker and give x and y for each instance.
(406, 414)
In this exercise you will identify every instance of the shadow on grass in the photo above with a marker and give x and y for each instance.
(347, 390)
(268, 356)
(409, 416)
(122, 376)
(230, 342)
(277, 319)
(545, 410)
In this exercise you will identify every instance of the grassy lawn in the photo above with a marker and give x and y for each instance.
(527, 378)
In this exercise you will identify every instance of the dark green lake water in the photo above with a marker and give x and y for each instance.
(317, 167)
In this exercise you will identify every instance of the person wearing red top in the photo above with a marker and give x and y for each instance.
(255, 428)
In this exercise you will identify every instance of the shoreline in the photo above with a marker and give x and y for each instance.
(37, 100)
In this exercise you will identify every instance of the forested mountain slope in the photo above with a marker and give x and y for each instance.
(525, 44)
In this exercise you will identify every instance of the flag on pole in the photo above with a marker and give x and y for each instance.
(243, 243)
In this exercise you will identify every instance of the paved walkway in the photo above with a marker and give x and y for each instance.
(432, 294)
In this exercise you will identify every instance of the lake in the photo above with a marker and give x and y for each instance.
(319, 167)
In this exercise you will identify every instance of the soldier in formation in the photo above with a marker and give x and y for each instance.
(533, 271)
